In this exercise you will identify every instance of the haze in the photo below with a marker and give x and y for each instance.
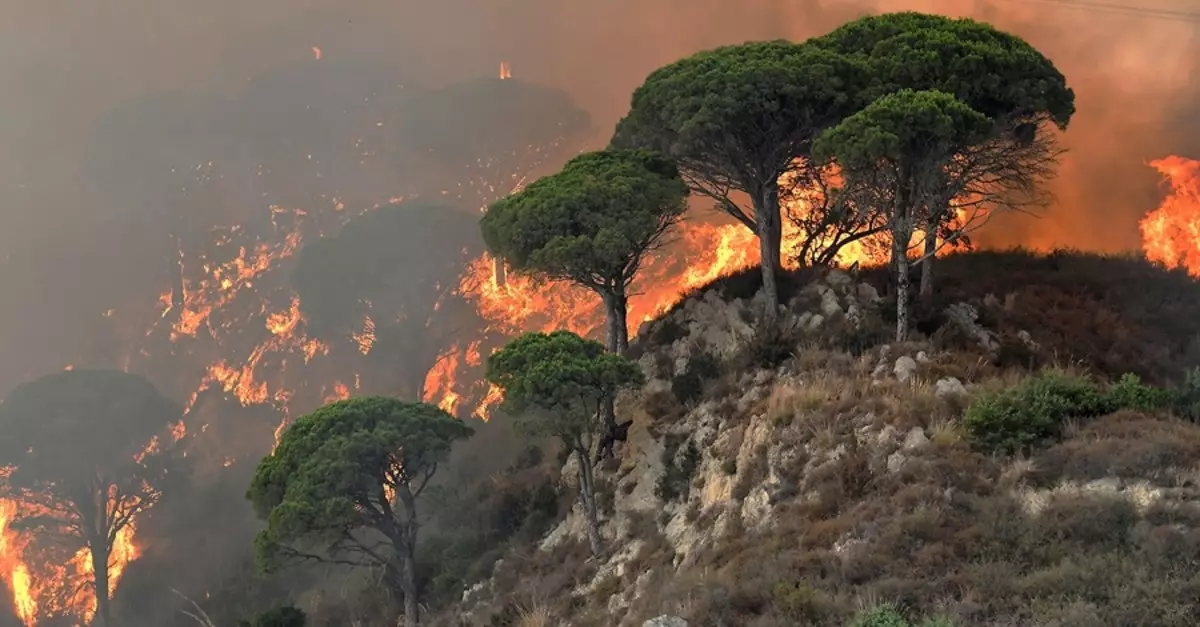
(69, 255)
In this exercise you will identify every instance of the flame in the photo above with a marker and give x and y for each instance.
(366, 338)
(505, 71)
(12, 565)
(440, 381)
(316, 50)
(1171, 233)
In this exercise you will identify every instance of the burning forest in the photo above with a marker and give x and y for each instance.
(316, 238)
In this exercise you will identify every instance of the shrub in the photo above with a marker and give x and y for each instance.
(886, 615)
(1016, 418)
(1130, 393)
(282, 616)
(1187, 396)
(689, 386)
(678, 469)
(770, 346)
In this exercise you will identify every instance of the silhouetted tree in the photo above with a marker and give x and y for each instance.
(400, 265)
(88, 451)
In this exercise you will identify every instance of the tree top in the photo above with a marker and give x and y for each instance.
(82, 418)
(903, 124)
(553, 370)
(745, 111)
(996, 73)
(590, 220)
(327, 476)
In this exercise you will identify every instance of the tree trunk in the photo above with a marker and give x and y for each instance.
(616, 306)
(498, 272)
(99, 549)
(587, 498)
(902, 287)
(406, 546)
(408, 584)
(927, 258)
(766, 216)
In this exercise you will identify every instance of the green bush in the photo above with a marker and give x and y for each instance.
(1130, 393)
(1019, 417)
(1016, 418)
(885, 615)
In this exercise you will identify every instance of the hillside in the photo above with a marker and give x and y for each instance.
(995, 472)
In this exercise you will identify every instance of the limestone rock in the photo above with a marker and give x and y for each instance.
(915, 439)
(905, 368)
(666, 621)
(949, 386)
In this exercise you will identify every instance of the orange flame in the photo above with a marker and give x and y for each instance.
(505, 71)
(316, 50)
(1171, 233)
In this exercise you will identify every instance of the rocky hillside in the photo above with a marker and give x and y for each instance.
(1000, 471)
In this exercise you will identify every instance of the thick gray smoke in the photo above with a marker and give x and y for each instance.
(68, 255)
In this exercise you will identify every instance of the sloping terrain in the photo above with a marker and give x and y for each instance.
(999, 471)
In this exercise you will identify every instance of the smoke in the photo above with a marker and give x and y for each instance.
(107, 113)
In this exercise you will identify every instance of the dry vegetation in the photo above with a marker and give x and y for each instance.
(1090, 518)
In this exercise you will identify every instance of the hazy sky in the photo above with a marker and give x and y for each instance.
(66, 63)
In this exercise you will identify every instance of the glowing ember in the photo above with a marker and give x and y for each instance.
(1171, 233)
(505, 71)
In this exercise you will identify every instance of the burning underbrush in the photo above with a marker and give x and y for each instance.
(768, 487)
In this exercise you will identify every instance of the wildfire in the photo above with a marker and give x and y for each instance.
(51, 588)
(440, 381)
(505, 71)
(1171, 233)
(316, 50)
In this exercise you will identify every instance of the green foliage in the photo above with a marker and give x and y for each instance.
(885, 615)
(678, 468)
(906, 126)
(742, 113)
(555, 383)
(995, 73)
(736, 118)
(688, 387)
(1016, 418)
(332, 469)
(1130, 393)
(282, 616)
(591, 222)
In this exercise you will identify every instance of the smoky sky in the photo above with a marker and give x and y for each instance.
(64, 66)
